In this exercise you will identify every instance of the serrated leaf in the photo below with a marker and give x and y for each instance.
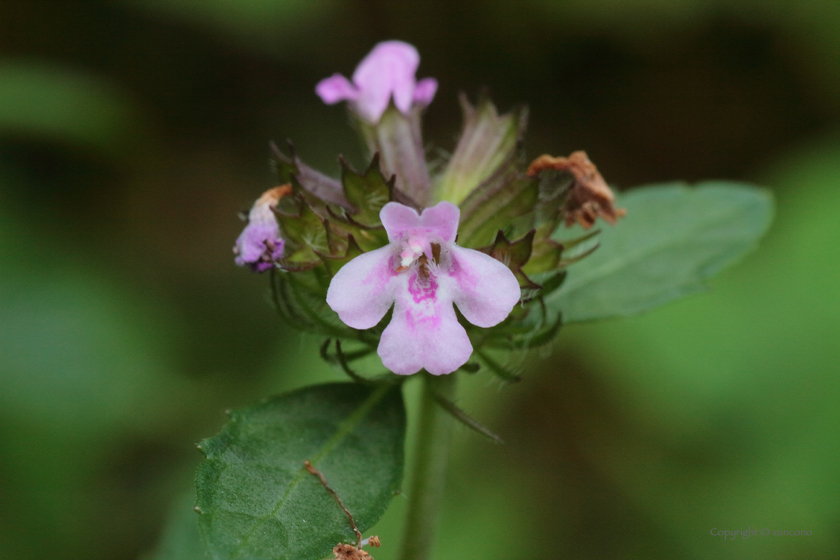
(258, 501)
(368, 191)
(488, 142)
(672, 240)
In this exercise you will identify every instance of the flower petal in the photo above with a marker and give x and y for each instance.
(424, 91)
(398, 219)
(424, 333)
(336, 88)
(439, 221)
(361, 290)
(388, 70)
(251, 242)
(442, 220)
(484, 289)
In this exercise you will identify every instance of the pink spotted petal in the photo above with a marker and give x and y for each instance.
(424, 334)
(387, 71)
(336, 88)
(484, 289)
(424, 91)
(361, 290)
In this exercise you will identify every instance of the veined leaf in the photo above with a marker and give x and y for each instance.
(672, 240)
(255, 496)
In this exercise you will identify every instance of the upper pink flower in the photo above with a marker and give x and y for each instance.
(389, 70)
(423, 272)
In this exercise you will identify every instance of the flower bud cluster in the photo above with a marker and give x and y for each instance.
(394, 240)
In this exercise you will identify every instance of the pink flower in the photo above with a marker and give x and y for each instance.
(260, 244)
(389, 70)
(423, 272)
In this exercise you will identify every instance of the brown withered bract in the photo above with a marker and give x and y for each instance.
(344, 551)
(590, 197)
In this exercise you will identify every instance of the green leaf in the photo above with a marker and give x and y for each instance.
(257, 500)
(488, 142)
(673, 238)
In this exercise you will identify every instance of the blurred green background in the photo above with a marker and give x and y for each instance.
(132, 131)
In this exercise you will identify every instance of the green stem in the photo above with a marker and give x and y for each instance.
(431, 453)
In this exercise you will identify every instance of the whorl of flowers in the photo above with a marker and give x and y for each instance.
(481, 235)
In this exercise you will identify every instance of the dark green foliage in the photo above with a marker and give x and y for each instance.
(257, 500)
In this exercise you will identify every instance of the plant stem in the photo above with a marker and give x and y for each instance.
(431, 453)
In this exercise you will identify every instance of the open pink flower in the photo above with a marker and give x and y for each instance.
(389, 70)
(423, 272)
(260, 244)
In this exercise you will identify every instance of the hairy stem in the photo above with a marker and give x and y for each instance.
(431, 454)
